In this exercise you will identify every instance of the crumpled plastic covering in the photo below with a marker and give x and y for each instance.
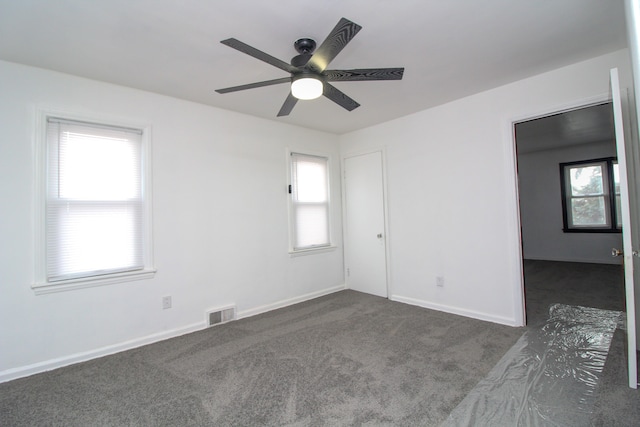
(549, 377)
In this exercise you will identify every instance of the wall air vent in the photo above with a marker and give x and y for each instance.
(221, 315)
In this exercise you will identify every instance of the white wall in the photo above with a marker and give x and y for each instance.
(219, 218)
(452, 190)
(541, 208)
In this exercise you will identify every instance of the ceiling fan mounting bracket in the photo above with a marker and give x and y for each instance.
(305, 46)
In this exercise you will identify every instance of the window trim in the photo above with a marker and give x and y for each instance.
(40, 284)
(611, 197)
(293, 252)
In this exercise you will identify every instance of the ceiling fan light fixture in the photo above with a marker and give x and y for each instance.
(306, 87)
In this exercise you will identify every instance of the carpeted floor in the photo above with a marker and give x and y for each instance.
(343, 359)
(572, 283)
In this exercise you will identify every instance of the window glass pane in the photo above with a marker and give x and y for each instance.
(312, 226)
(89, 239)
(586, 181)
(618, 212)
(588, 211)
(96, 167)
(309, 201)
(591, 190)
(616, 178)
(94, 207)
(311, 180)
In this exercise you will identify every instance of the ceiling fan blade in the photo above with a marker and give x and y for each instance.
(255, 85)
(288, 105)
(364, 74)
(339, 97)
(342, 34)
(258, 54)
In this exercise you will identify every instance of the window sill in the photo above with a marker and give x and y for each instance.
(319, 250)
(71, 284)
(592, 230)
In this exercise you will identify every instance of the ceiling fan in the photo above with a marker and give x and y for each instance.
(309, 75)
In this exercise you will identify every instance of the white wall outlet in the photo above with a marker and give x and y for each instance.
(166, 302)
(440, 281)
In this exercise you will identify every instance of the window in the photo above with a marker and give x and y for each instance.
(591, 196)
(95, 225)
(309, 191)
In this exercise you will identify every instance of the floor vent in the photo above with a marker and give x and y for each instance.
(221, 315)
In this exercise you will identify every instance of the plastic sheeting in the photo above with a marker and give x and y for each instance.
(548, 378)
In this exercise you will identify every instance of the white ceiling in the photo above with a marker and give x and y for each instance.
(449, 49)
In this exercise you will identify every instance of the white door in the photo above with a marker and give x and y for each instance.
(365, 239)
(629, 213)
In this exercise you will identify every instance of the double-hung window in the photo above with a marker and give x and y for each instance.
(309, 191)
(96, 201)
(591, 196)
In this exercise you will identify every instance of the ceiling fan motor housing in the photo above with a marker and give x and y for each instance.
(305, 45)
(305, 48)
(300, 60)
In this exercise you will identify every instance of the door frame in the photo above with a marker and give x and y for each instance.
(511, 156)
(345, 231)
(513, 160)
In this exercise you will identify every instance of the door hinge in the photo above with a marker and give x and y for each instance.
(289, 188)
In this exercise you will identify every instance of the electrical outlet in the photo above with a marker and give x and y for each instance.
(440, 281)
(166, 302)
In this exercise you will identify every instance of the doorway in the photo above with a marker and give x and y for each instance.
(554, 256)
(365, 223)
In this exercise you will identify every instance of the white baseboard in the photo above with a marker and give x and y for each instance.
(48, 365)
(456, 310)
(287, 302)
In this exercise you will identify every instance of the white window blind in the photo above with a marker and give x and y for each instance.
(310, 201)
(94, 200)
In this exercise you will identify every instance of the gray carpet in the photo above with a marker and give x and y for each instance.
(571, 283)
(343, 359)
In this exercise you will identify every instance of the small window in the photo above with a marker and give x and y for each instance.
(591, 196)
(95, 223)
(309, 202)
